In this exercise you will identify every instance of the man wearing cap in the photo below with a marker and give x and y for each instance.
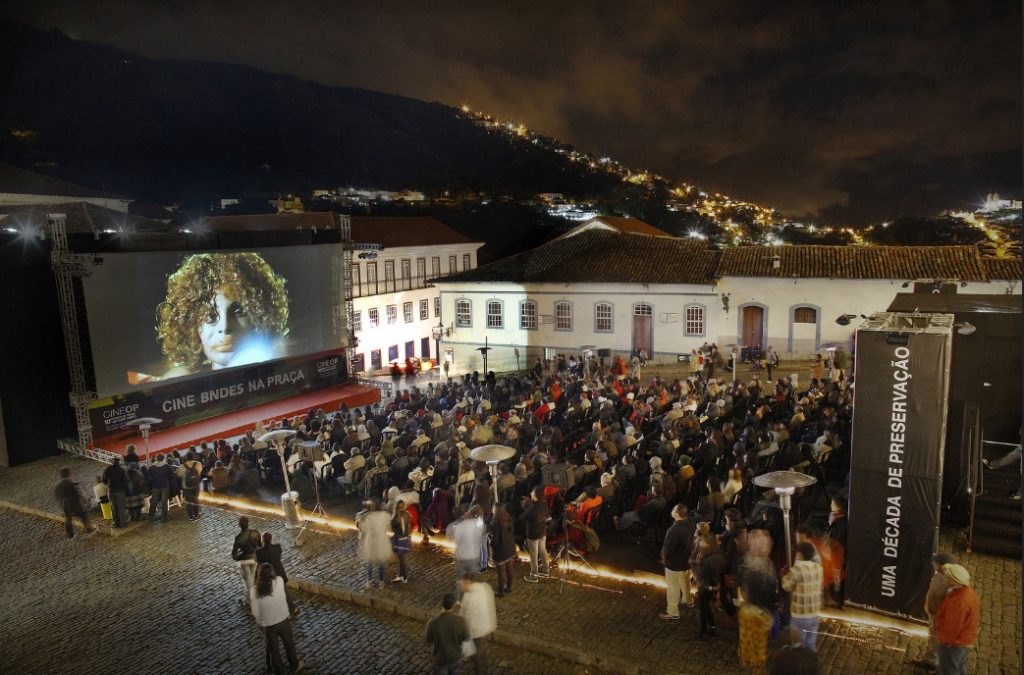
(956, 621)
(936, 592)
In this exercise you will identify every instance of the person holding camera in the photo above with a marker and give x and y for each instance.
(535, 516)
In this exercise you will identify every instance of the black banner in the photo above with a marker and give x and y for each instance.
(896, 468)
(219, 392)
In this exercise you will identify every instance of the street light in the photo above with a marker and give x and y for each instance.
(437, 331)
(785, 484)
(492, 454)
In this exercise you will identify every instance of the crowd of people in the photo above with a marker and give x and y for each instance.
(598, 450)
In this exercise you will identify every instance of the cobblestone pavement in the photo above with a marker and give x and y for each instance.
(160, 603)
(612, 619)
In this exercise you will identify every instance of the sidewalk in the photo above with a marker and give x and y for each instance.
(607, 623)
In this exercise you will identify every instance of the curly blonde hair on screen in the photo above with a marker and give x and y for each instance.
(245, 277)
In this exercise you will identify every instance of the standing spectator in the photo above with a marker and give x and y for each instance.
(401, 541)
(468, 534)
(135, 496)
(190, 472)
(504, 544)
(956, 622)
(936, 593)
(72, 503)
(244, 553)
(269, 606)
(101, 491)
(771, 361)
(116, 480)
(130, 456)
(161, 475)
(757, 613)
(270, 553)
(675, 556)
(707, 564)
(445, 634)
(834, 549)
(535, 516)
(479, 612)
(374, 545)
(803, 582)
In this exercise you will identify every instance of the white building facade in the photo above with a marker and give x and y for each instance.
(555, 299)
(395, 303)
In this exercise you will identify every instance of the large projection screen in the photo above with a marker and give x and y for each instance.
(161, 318)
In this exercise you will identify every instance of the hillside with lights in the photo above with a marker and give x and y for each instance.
(196, 135)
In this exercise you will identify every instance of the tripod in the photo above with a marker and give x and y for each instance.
(566, 553)
(317, 509)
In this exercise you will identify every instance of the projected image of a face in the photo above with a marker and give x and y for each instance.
(222, 310)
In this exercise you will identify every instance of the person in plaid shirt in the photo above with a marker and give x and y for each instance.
(803, 582)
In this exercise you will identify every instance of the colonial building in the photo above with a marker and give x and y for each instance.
(604, 285)
(395, 304)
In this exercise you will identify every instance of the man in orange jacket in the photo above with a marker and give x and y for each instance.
(956, 622)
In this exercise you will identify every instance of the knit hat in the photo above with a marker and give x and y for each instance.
(957, 573)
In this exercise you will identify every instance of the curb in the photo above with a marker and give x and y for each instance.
(101, 525)
(502, 637)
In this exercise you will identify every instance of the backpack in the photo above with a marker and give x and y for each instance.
(191, 480)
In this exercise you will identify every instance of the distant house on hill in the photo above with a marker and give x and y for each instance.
(19, 187)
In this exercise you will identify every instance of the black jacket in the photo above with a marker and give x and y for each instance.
(116, 478)
(271, 553)
(536, 519)
(679, 545)
(503, 541)
(69, 495)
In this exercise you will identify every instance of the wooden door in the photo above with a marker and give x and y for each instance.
(753, 325)
(643, 329)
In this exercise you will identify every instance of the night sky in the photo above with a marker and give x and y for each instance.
(842, 112)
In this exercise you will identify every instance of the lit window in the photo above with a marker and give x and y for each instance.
(374, 314)
(357, 321)
(563, 316)
(407, 312)
(603, 317)
(528, 315)
(424, 310)
(494, 314)
(437, 307)
(463, 313)
(392, 314)
(694, 320)
(805, 315)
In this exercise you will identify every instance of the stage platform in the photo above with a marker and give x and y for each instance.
(239, 421)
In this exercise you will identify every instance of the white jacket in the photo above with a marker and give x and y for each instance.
(478, 610)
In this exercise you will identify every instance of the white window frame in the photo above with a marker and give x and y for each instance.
(357, 321)
(453, 264)
(421, 273)
(424, 309)
(687, 321)
(437, 307)
(407, 315)
(463, 318)
(391, 311)
(406, 274)
(374, 317)
(495, 320)
(528, 320)
(435, 266)
(564, 322)
(610, 318)
(466, 261)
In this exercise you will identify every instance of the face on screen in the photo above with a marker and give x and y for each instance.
(225, 330)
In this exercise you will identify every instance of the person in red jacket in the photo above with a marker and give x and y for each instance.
(956, 622)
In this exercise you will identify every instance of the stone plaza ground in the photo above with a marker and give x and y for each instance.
(161, 598)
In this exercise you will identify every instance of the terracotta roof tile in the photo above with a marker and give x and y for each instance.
(1002, 269)
(391, 231)
(600, 256)
(631, 226)
(854, 262)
